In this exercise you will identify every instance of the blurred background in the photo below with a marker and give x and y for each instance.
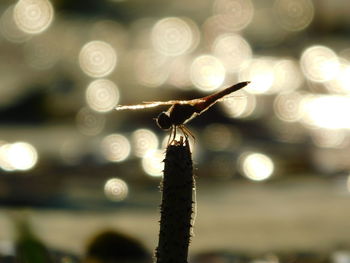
(271, 161)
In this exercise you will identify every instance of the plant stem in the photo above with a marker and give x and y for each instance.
(177, 205)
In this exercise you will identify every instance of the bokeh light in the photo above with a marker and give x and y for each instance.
(340, 83)
(329, 138)
(18, 156)
(97, 59)
(90, 122)
(241, 105)
(115, 147)
(326, 111)
(179, 72)
(144, 140)
(4, 160)
(174, 36)
(116, 189)
(102, 95)
(256, 166)
(287, 106)
(33, 16)
(233, 50)
(152, 162)
(287, 75)
(233, 15)
(207, 73)
(151, 68)
(261, 74)
(319, 63)
(9, 29)
(294, 15)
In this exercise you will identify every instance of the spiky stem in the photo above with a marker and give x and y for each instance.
(177, 205)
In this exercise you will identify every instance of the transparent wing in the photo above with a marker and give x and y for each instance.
(151, 104)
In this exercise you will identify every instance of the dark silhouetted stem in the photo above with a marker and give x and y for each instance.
(177, 205)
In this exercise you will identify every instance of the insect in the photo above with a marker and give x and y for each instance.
(182, 111)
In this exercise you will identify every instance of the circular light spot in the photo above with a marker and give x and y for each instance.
(179, 74)
(340, 83)
(287, 75)
(234, 15)
(18, 156)
(116, 189)
(260, 73)
(97, 59)
(233, 50)
(115, 147)
(90, 122)
(256, 166)
(319, 63)
(102, 95)
(207, 73)
(294, 15)
(328, 138)
(33, 16)
(173, 36)
(4, 160)
(327, 111)
(151, 68)
(152, 162)
(143, 141)
(287, 106)
(9, 29)
(242, 105)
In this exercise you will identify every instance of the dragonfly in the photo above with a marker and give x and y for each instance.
(181, 112)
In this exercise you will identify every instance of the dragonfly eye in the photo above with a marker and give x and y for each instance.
(163, 121)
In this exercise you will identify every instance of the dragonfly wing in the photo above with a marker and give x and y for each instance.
(136, 106)
(172, 102)
(151, 104)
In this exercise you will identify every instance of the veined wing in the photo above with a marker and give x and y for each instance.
(151, 104)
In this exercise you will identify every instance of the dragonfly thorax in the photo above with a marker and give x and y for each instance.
(163, 121)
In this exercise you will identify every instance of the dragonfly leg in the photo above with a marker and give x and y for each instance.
(187, 132)
(172, 135)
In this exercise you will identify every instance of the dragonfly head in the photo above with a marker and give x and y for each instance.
(163, 121)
